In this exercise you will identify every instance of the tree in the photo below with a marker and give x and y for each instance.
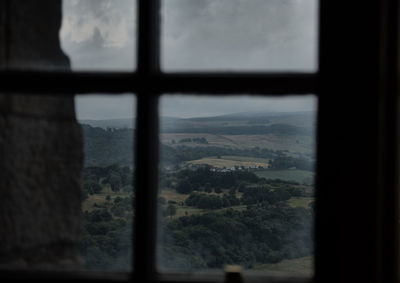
(207, 188)
(184, 187)
(115, 182)
(171, 210)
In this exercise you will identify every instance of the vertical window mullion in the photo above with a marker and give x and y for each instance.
(147, 141)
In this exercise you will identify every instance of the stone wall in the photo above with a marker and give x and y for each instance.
(40, 147)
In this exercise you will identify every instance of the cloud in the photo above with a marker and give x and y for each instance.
(98, 107)
(99, 34)
(258, 35)
(268, 35)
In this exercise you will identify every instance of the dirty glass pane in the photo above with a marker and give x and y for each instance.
(236, 184)
(93, 35)
(107, 123)
(238, 35)
(99, 34)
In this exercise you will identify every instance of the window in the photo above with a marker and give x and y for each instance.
(356, 223)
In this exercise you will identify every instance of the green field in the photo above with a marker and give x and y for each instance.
(100, 198)
(172, 195)
(299, 143)
(300, 176)
(245, 158)
(183, 210)
(230, 161)
(302, 265)
(300, 202)
(189, 210)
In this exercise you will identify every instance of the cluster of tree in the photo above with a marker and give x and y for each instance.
(260, 234)
(205, 180)
(169, 210)
(117, 177)
(201, 140)
(207, 201)
(287, 162)
(122, 207)
(202, 178)
(266, 232)
(106, 243)
(105, 147)
(254, 195)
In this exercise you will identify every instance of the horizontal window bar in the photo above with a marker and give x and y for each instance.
(65, 276)
(119, 277)
(200, 83)
(235, 83)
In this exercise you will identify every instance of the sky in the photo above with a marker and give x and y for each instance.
(196, 35)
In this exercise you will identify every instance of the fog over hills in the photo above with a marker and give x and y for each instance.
(303, 119)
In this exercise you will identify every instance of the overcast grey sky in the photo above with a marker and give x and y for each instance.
(99, 107)
(232, 35)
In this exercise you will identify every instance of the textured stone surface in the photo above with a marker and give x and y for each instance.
(40, 149)
(40, 189)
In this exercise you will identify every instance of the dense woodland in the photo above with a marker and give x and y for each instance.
(207, 218)
(264, 230)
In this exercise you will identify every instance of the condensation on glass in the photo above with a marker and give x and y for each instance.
(99, 34)
(237, 35)
(236, 183)
(108, 193)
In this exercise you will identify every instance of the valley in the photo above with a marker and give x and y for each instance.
(233, 189)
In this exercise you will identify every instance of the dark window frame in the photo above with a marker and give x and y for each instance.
(367, 68)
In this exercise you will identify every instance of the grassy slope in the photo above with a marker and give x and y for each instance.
(100, 198)
(303, 266)
(300, 202)
(230, 161)
(301, 144)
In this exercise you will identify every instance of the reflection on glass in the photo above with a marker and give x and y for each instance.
(258, 35)
(99, 34)
(107, 187)
(236, 183)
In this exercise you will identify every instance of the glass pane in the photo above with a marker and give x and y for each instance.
(64, 34)
(99, 34)
(108, 194)
(237, 183)
(236, 35)
(67, 182)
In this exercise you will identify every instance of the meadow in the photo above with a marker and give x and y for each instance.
(300, 266)
(231, 161)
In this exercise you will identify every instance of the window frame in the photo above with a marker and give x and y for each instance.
(377, 42)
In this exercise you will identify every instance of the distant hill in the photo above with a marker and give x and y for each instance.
(248, 123)
(109, 142)
(123, 123)
(251, 123)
